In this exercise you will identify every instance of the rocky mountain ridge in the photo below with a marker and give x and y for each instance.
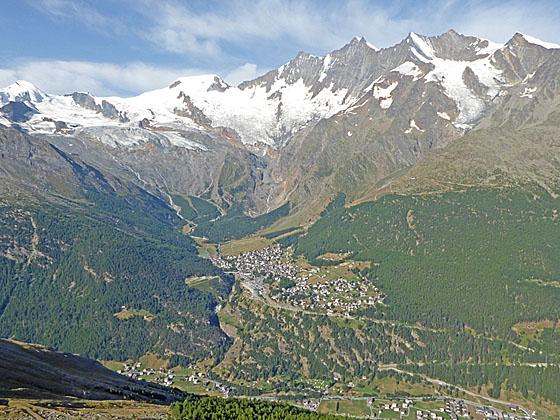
(311, 128)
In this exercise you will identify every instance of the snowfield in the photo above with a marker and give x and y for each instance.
(266, 111)
(257, 115)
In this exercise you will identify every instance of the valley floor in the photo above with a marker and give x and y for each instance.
(260, 272)
(261, 269)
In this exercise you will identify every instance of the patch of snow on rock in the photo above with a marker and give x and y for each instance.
(413, 126)
(326, 64)
(490, 49)
(409, 69)
(444, 115)
(4, 122)
(423, 46)
(528, 92)
(384, 94)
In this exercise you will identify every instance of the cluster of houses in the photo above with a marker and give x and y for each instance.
(312, 405)
(225, 390)
(273, 262)
(338, 296)
(307, 288)
(492, 413)
(135, 371)
(400, 409)
(456, 409)
(166, 377)
(199, 378)
(425, 415)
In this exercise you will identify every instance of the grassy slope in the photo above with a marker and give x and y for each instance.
(31, 371)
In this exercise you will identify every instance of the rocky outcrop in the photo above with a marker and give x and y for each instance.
(106, 109)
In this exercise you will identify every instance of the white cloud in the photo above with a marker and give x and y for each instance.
(247, 71)
(304, 24)
(323, 26)
(500, 21)
(106, 79)
(228, 31)
(78, 10)
(7, 76)
(56, 76)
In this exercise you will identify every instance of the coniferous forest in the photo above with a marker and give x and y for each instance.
(106, 279)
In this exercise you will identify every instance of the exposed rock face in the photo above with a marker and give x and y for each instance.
(307, 130)
(473, 83)
(191, 111)
(455, 46)
(18, 112)
(30, 165)
(106, 109)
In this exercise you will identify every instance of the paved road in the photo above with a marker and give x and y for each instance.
(394, 368)
(261, 293)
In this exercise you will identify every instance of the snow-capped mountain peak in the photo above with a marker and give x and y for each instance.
(258, 113)
(460, 65)
(361, 39)
(536, 41)
(21, 91)
(468, 73)
(421, 47)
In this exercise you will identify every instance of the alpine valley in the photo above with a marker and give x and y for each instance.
(370, 228)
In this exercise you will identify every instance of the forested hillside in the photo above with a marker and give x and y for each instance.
(102, 273)
(477, 264)
(481, 259)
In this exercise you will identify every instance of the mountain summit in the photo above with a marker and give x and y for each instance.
(417, 96)
(270, 109)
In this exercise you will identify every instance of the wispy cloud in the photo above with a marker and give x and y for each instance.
(500, 20)
(247, 71)
(58, 76)
(238, 38)
(81, 12)
(325, 25)
(179, 28)
(106, 79)
(240, 24)
(222, 28)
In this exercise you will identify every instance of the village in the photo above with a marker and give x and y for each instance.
(274, 273)
(415, 408)
(135, 371)
(190, 379)
(340, 289)
(170, 378)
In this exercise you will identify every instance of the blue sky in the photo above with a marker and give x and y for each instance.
(129, 46)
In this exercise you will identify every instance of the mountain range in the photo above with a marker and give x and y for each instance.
(311, 128)
(433, 165)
